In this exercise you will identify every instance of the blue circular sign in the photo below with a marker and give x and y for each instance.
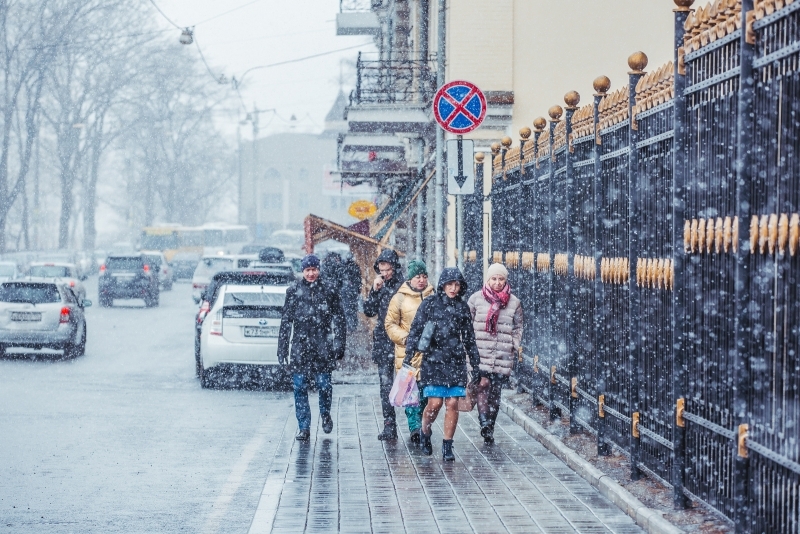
(459, 107)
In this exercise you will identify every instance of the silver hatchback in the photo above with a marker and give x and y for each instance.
(41, 313)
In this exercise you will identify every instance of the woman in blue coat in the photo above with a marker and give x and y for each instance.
(443, 375)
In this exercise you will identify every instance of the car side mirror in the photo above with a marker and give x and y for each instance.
(86, 303)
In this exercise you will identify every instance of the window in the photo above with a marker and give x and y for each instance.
(50, 271)
(124, 264)
(32, 293)
(273, 201)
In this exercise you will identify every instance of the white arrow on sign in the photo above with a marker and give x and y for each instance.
(460, 172)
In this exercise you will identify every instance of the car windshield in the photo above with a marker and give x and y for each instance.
(252, 298)
(49, 271)
(124, 264)
(31, 293)
(7, 270)
(209, 266)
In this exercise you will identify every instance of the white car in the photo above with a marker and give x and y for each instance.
(242, 328)
(66, 272)
(208, 267)
(158, 263)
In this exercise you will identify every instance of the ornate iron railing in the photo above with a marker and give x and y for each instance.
(661, 224)
(393, 81)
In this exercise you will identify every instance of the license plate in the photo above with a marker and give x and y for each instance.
(260, 331)
(26, 317)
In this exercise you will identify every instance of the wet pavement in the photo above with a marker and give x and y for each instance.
(515, 485)
(124, 439)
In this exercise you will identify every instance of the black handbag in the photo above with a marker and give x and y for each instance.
(424, 343)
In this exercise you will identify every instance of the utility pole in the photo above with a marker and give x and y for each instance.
(441, 210)
(252, 116)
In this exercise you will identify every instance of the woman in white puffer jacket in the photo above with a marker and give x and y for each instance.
(497, 320)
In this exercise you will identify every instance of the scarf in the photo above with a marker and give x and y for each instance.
(498, 301)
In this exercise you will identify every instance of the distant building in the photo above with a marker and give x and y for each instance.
(292, 178)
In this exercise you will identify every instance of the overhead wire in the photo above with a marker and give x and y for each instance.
(226, 12)
(164, 15)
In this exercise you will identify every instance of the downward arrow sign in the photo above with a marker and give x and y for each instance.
(460, 178)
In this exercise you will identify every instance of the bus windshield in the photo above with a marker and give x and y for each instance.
(159, 242)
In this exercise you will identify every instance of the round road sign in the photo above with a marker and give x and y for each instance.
(459, 107)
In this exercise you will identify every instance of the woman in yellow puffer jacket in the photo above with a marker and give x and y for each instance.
(402, 309)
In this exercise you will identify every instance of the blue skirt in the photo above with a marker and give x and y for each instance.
(444, 392)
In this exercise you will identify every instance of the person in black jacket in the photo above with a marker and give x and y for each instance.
(351, 290)
(443, 375)
(313, 324)
(376, 304)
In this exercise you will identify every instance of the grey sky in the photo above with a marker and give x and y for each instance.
(264, 32)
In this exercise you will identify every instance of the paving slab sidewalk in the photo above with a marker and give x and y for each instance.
(348, 481)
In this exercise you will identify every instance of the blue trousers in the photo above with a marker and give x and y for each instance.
(302, 408)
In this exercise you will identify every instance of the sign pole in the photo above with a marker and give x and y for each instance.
(459, 107)
(460, 207)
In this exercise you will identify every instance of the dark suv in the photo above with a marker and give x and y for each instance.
(127, 277)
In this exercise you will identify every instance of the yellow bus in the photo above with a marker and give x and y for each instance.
(210, 238)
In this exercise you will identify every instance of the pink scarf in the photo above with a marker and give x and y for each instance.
(498, 301)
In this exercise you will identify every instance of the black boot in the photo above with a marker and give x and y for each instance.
(415, 438)
(327, 423)
(487, 428)
(303, 435)
(389, 432)
(425, 443)
(447, 450)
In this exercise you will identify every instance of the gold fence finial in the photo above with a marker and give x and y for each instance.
(479, 156)
(572, 99)
(524, 132)
(601, 85)
(506, 141)
(539, 123)
(637, 62)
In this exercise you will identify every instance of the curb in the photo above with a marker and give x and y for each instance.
(650, 520)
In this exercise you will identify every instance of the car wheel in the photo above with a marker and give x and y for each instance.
(198, 365)
(206, 381)
(74, 349)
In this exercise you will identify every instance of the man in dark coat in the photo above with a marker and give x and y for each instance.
(386, 284)
(332, 271)
(351, 289)
(313, 324)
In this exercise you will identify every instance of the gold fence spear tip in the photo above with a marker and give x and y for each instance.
(693, 236)
(718, 235)
(772, 230)
(687, 236)
(753, 234)
(783, 233)
(763, 234)
(726, 234)
(709, 235)
(794, 233)
(701, 234)
(735, 236)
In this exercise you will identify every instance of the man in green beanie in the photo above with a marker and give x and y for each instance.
(400, 314)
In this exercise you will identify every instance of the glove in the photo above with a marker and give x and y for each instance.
(476, 379)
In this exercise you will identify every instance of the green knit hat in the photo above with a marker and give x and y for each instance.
(416, 267)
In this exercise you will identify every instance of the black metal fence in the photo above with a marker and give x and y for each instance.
(653, 237)
(384, 81)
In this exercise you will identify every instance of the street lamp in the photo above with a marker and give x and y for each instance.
(186, 37)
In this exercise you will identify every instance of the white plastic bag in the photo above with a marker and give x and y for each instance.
(405, 391)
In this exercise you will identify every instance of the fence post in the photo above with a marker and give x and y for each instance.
(743, 322)
(495, 232)
(601, 85)
(571, 99)
(678, 216)
(555, 117)
(519, 209)
(637, 63)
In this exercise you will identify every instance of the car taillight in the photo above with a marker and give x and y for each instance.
(147, 268)
(102, 268)
(165, 270)
(64, 315)
(216, 325)
(201, 314)
(199, 286)
(72, 283)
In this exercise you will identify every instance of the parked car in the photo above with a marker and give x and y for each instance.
(38, 313)
(240, 323)
(67, 272)
(183, 265)
(127, 277)
(8, 271)
(158, 264)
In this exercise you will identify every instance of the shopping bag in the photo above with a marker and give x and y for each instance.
(467, 403)
(404, 387)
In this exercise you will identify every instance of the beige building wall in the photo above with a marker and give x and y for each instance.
(564, 45)
(541, 49)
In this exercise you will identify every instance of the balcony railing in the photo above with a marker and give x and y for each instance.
(349, 6)
(393, 81)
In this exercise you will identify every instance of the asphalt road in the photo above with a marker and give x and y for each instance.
(124, 439)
